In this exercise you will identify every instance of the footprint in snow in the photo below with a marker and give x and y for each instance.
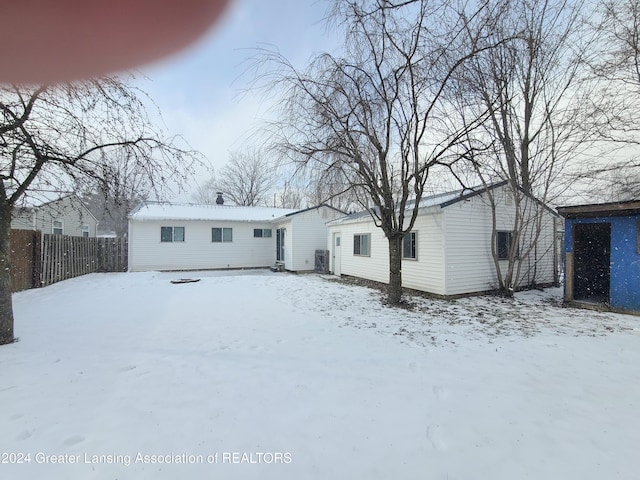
(434, 435)
(128, 368)
(23, 435)
(74, 440)
(440, 392)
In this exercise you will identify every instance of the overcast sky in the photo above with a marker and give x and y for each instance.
(199, 91)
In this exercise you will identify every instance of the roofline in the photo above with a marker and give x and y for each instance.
(315, 208)
(467, 196)
(611, 209)
(493, 186)
(145, 203)
(473, 193)
(62, 197)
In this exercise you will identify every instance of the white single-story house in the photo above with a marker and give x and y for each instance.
(166, 236)
(66, 215)
(449, 251)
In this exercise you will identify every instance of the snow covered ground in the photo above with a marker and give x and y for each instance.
(248, 375)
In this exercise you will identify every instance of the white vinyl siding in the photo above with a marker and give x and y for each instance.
(468, 256)
(426, 273)
(453, 249)
(197, 252)
(306, 232)
(376, 265)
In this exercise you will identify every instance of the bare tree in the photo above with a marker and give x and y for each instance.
(246, 180)
(288, 193)
(616, 65)
(117, 188)
(381, 114)
(534, 89)
(206, 193)
(615, 111)
(330, 187)
(57, 136)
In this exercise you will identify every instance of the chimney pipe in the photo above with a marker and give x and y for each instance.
(219, 200)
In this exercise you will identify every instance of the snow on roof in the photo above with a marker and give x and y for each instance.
(438, 200)
(182, 211)
(38, 198)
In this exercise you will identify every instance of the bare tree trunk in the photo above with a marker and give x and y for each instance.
(394, 292)
(6, 310)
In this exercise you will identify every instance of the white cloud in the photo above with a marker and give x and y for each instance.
(199, 91)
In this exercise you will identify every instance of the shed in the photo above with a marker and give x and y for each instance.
(449, 251)
(602, 255)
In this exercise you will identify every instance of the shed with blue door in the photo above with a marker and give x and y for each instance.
(602, 255)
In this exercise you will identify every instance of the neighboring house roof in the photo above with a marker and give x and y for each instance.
(613, 209)
(38, 199)
(185, 211)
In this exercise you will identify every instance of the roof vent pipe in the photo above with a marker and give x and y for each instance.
(219, 200)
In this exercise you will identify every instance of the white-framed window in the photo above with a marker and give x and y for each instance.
(503, 245)
(172, 234)
(409, 246)
(57, 228)
(220, 235)
(262, 233)
(361, 244)
(85, 231)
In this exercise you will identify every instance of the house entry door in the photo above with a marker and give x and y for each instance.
(280, 244)
(337, 254)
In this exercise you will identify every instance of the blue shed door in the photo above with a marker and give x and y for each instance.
(592, 262)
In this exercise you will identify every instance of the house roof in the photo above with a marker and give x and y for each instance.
(314, 208)
(185, 211)
(613, 209)
(441, 200)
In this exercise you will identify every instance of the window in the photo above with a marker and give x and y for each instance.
(361, 244)
(219, 235)
(85, 231)
(57, 227)
(503, 245)
(409, 246)
(262, 233)
(172, 234)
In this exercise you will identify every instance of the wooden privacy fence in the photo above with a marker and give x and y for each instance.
(66, 257)
(25, 259)
(59, 257)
